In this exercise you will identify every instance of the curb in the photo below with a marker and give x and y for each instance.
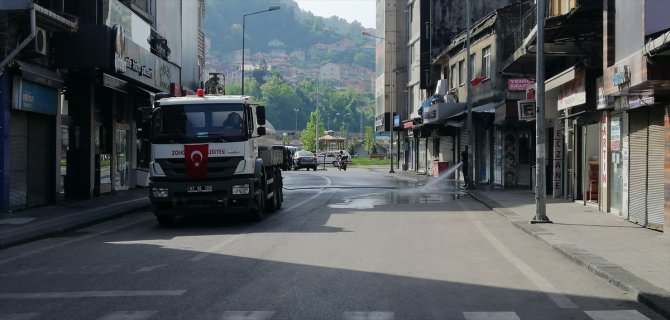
(655, 298)
(70, 222)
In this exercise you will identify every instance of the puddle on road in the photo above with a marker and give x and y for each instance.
(418, 195)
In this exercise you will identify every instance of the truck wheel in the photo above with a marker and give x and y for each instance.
(257, 214)
(279, 192)
(165, 221)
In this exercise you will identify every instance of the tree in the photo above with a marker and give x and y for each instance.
(286, 139)
(307, 137)
(369, 139)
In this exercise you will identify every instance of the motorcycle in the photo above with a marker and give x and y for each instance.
(342, 164)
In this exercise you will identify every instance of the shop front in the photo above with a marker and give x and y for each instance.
(109, 95)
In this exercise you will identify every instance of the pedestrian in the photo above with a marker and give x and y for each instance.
(464, 165)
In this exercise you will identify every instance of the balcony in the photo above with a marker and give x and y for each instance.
(569, 37)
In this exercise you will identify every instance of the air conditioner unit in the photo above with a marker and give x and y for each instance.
(40, 42)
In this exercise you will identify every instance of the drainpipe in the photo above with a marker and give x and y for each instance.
(24, 43)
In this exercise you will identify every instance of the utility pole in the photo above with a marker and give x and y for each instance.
(540, 153)
(468, 102)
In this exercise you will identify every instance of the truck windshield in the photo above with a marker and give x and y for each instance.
(199, 123)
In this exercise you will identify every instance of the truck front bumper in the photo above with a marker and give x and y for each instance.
(203, 197)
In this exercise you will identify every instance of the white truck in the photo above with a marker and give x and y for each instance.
(213, 154)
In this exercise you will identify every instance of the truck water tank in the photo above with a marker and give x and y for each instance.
(270, 137)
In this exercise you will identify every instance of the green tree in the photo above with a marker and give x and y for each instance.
(307, 137)
(369, 139)
(286, 139)
(281, 99)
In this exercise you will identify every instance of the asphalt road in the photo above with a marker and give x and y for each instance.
(352, 245)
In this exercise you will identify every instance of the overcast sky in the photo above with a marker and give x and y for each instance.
(350, 10)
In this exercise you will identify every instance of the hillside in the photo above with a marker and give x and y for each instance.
(297, 29)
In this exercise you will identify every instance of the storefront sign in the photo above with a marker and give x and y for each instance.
(621, 75)
(526, 110)
(573, 93)
(558, 161)
(603, 151)
(519, 84)
(615, 134)
(34, 97)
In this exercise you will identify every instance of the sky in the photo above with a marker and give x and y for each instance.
(362, 10)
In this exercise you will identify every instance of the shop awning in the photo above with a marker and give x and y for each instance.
(560, 79)
(441, 111)
(41, 75)
(485, 108)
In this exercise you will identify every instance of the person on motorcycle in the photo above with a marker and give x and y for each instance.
(342, 160)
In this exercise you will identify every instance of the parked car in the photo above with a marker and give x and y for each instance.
(304, 159)
(331, 157)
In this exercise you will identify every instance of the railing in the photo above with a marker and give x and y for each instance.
(201, 43)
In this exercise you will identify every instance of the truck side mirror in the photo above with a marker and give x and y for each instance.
(261, 131)
(260, 115)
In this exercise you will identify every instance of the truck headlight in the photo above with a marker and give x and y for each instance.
(156, 170)
(241, 166)
(241, 189)
(159, 192)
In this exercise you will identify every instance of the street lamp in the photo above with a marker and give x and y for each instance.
(392, 102)
(244, 17)
(296, 119)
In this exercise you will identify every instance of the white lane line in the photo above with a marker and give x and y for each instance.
(64, 243)
(616, 315)
(368, 315)
(247, 315)
(543, 284)
(93, 294)
(129, 315)
(217, 247)
(18, 316)
(491, 316)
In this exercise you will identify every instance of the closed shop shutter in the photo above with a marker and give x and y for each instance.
(422, 154)
(18, 160)
(656, 163)
(37, 176)
(638, 167)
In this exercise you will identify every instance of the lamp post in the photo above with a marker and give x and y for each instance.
(244, 19)
(296, 118)
(392, 102)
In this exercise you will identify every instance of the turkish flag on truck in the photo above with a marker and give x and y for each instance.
(195, 160)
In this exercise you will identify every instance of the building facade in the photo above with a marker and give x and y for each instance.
(105, 61)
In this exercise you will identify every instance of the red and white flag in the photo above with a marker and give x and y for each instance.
(195, 159)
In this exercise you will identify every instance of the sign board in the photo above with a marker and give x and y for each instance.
(526, 110)
(519, 84)
(601, 102)
(572, 93)
(557, 163)
(396, 121)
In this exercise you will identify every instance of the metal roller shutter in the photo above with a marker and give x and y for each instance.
(656, 163)
(637, 204)
(18, 160)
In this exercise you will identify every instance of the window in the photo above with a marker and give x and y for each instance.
(411, 55)
(461, 72)
(486, 62)
(471, 67)
(453, 77)
(410, 12)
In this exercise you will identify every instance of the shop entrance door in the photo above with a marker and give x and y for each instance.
(616, 165)
(122, 157)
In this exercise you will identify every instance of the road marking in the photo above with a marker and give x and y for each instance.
(129, 315)
(247, 315)
(369, 315)
(616, 315)
(64, 243)
(18, 316)
(92, 294)
(491, 316)
(543, 284)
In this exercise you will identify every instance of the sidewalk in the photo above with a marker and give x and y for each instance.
(26, 225)
(633, 258)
